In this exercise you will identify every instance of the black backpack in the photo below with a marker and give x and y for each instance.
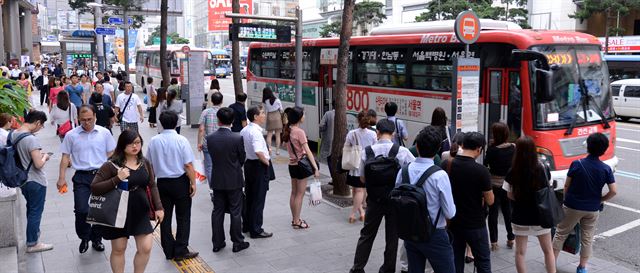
(12, 173)
(380, 173)
(409, 203)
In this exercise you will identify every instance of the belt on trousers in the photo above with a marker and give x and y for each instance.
(92, 172)
(171, 178)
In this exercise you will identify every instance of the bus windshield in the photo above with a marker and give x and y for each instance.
(572, 64)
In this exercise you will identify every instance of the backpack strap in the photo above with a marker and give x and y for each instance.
(369, 152)
(405, 174)
(14, 144)
(394, 151)
(423, 178)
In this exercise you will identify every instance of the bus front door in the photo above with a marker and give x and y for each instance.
(327, 84)
(498, 84)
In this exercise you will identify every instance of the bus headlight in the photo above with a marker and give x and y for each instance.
(546, 157)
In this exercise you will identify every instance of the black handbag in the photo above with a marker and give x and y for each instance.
(550, 211)
(304, 164)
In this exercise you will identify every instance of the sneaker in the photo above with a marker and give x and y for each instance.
(39, 248)
(581, 270)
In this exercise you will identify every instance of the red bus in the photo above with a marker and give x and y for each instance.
(414, 69)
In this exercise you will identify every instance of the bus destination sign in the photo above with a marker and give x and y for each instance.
(260, 33)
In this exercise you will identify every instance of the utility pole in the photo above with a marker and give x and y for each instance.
(126, 43)
(99, 38)
(299, 56)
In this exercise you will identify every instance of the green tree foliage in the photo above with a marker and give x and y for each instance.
(175, 37)
(606, 7)
(449, 10)
(81, 6)
(13, 98)
(365, 14)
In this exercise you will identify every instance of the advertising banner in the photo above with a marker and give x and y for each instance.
(119, 45)
(464, 101)
(217, 9)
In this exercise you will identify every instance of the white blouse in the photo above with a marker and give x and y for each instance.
(276, 106)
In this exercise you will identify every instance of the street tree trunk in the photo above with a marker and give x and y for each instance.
(340, 124)
(606, 31)
(164, 68)
(235, 53)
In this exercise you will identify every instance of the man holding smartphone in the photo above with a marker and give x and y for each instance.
(87, 147)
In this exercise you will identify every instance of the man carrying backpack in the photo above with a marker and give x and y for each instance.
(439, 206)
(379, 167)
(32, 161)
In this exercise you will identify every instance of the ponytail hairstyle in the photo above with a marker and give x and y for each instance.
(294, 115)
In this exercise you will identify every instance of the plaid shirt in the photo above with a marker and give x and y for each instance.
(209, 119)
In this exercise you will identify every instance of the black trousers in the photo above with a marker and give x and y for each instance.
(503, 203)
(44, 94)
(375, 212)
(231, 201)
(174, 193)
(81, 192)
(256, 186)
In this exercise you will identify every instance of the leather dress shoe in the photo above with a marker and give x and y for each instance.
(264, 234)
(218, 248)
(188, 255)
(98, 246)
(240, 246)
(84, 245)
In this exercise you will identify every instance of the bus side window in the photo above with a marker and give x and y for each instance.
(514, 115)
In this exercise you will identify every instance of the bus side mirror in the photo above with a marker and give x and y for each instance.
(530, 55)
(544, 86)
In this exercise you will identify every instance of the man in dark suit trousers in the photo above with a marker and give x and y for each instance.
(227, 154)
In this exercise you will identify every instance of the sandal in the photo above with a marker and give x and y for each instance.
(352, 219)
(494, 246)
(302, 225)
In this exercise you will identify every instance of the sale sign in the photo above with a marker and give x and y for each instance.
(217, 9)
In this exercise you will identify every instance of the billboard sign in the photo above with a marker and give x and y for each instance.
(624, 44)
(260, 33)
(217, 9)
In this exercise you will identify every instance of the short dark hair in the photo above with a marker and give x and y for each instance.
(597, 144)
(385, 126)
(216, 98)
(253, 112)
(87, 107)
(128, 82)
(241, 97)
(168, 119)
(73, 76)
(98, 73)
(173, 81)
(149, 80)
(35, 115)
(391, 108)
(428, 142)
(225, 115)
(473, 140)
(5, 118)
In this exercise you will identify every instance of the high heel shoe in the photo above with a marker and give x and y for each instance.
(494, 246)
(510, 244)
(352, 219)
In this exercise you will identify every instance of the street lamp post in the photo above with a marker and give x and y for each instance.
(126, 44)
(99, 6)
(99, 38)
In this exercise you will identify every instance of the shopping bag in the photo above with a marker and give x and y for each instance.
(351, 156)
(201, 174)
(572, 243)
(316, 193)
(549, 209)
(109, 209)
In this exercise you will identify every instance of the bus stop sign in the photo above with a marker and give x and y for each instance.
(186, 50)
(467, 27)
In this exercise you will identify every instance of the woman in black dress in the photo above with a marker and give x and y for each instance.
(129, 166)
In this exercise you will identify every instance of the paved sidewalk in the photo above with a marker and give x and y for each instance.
(328, 246)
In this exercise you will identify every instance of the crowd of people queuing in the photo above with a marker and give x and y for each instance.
(463, 196)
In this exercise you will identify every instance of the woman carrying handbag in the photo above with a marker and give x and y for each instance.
(127, 169)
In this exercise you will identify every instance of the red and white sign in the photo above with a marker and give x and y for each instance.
(625, 44)
(186, 50)
(467, 27)
(217, 9)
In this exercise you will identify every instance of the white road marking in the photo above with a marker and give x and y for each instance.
(618, 230)
(627, 129)
(622, 207)
(627, 148)
(627, 140)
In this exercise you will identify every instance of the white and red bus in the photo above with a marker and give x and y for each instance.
(148, 64)
(412, 66)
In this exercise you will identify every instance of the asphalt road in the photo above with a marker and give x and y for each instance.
(619, 225)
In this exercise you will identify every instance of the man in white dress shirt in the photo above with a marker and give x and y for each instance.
(256, 172)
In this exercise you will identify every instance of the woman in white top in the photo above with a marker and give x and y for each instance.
(363, 137)
(87, 88)
(63, 111)
(273, 106)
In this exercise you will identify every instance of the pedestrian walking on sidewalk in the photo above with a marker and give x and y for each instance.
(153, 101)
(128, 164)
(440, 205)
(129, 108)
(55, 87)
(256, 172)
(326, 134)
(76, 91)
(34, 190)
(172, 161)
(380, 164)
(174, 104)
(583, 199)
(362, 136)
(86, 147)
(240, 113)
(297, 147)
(400, 135)
(208, 125)
(526, 176)
(498, 159)
(227, 153)
(471, 187)
(42, 82)
(273, 107)
(104, 113)
(62, 112)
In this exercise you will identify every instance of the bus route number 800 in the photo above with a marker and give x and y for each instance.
(357, 100)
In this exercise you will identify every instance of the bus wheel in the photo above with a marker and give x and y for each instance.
(625, 119)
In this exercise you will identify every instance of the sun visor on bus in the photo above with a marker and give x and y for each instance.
(438, 26)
